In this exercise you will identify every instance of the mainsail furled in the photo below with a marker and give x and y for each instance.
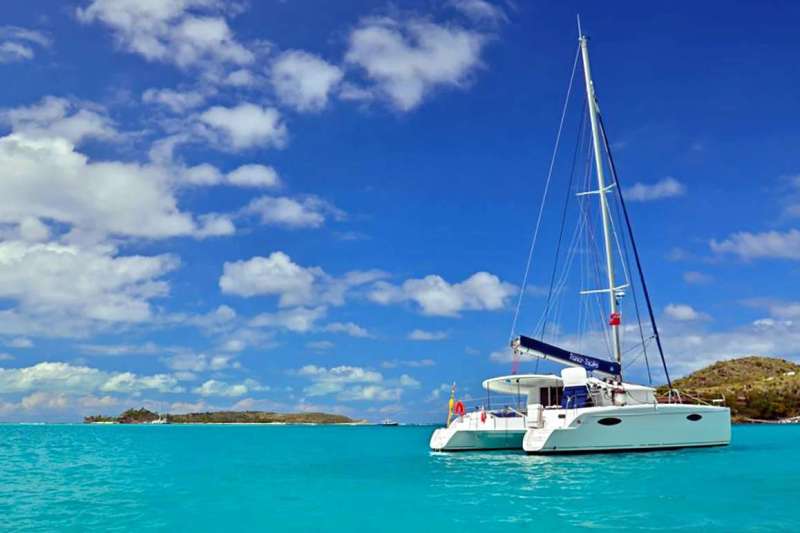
(537, 348)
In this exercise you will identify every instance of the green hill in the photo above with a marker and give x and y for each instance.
(763, 388)
(143, 416)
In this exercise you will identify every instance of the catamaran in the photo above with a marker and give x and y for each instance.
(588, 407)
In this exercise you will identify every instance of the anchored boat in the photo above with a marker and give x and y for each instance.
(603, 414)
(588, 407)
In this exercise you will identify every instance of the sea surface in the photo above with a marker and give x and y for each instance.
(328, 478)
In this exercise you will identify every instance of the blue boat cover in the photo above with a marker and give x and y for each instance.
(589, 363)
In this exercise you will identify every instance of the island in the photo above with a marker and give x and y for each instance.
(144, 416)
(757, 389)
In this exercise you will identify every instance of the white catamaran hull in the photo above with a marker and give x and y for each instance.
(628, 428)
(470, 433)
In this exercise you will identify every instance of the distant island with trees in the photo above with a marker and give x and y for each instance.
(145, 416)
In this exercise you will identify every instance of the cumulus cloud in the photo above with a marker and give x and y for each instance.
(411, 363)
(176, 101)
(187, 33)
(198, 362)
(54, 284)
(304, 81)
(422, 335)
(306, 212)
(47, 178)
(253, 175)
(405, 60)
(299, 319)
(352, 383)
(766, 245)
(293, 284)
(213, 387)
(349, 328)
(480, 11)
(668, 187)
(684, 312)
(54, 377)
(697, 278)
(245, 125)
(20, 342)
(20, 44)
(60, 118)
(435, 296)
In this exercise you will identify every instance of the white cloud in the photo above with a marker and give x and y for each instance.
(57, 287)
(175, 101)
(241, 78)
(70, 379)
(246, 126)
(412, 363)
(192, 362)
(293, 284)
(350, 328)
(668, 187)
(20, 342)
(299, 319)
(253, 175)
(335, 380)
(273, 275)
(6, 356)
(181, 32)
(19, 44)
(422, 335)
(212, 387)
(480, 11)
(408, 381)
(47, 178)
(147, 348)
(307, 212)
(319, 346)
(435, 296)
(406, 60)
(697, 278)
(60, 118)
(304, 81)
(375, 393)
(684, 312)
(503, 355)
(766, 245)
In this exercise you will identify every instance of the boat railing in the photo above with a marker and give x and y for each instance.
(676, 396)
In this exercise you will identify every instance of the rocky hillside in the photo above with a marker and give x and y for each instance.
(763, 388)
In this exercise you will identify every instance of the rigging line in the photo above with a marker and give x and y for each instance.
(564, 214)
(544, 196)
(635, 250)
(626, 259)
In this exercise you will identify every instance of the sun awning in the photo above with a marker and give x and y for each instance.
(521, 383)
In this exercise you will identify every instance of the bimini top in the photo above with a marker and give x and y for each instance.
(521, 383)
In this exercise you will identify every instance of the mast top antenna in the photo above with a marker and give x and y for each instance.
(580, 32)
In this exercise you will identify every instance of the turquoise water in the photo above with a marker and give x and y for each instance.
(304, 478)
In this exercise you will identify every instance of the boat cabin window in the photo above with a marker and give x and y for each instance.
(550, 396)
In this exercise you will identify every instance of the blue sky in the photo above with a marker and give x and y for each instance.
(269, 205)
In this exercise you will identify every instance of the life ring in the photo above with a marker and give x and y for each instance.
(483, 416)
(458, 408)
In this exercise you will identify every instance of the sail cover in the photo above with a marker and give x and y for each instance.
(548, 351)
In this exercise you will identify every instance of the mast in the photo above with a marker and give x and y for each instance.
(602, 190)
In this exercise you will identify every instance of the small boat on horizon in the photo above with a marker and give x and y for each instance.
(588, 407)
(389, 422)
